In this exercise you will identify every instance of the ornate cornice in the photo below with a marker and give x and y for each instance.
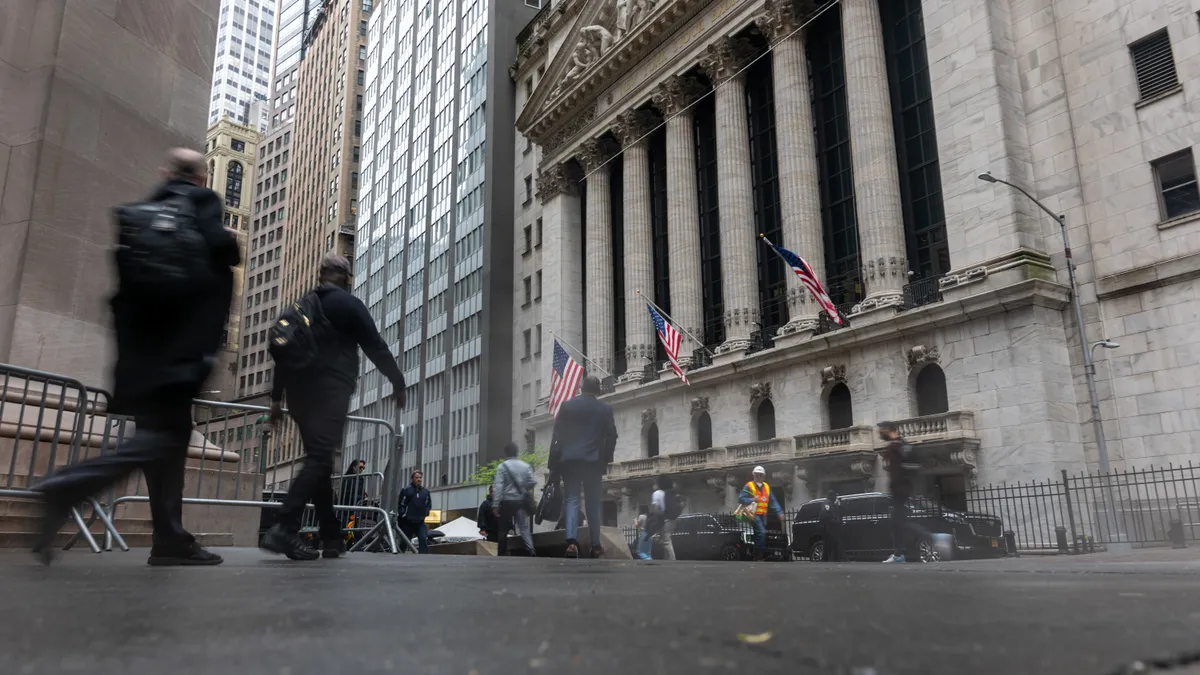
(569, 131)
(532, 40)
(632, 125)
(677, 93)
(725, 57)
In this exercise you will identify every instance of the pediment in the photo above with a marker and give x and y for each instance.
(607, 38)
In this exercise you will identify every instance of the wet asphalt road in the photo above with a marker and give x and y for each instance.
(375, 613)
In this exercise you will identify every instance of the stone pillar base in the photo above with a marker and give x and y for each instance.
(734, 345)
(804, 324)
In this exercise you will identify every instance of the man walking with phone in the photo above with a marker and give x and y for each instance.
(318, 373)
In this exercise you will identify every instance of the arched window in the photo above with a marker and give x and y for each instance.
(703, 431)
(765, 420)
(233, 185)
(931, 391)
(651, 435)
(841, 412)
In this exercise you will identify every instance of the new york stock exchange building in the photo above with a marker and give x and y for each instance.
(659, 138)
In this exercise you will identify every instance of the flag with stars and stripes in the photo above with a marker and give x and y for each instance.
(810, 281)
(671, 338)
(564, 379)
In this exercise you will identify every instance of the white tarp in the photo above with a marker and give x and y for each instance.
(460, 529)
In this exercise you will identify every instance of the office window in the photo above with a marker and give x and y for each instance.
(528, 239)
(537, 284)
(1154, 65)
(537, 235)
(528, 291)
(528, 189)
(1176, 178)
(528, 344)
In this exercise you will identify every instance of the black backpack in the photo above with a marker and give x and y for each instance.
(160, 251)
(294, 339)
(674, 506)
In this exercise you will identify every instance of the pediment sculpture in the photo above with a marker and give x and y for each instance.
(613, 23)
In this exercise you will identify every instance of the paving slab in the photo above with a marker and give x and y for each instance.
(377, 613)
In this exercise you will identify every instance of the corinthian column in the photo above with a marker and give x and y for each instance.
(799, 193)
(593, 155)
(735, 191)
(683, 206)
(630, 129)
(562, 299)
(873, 153)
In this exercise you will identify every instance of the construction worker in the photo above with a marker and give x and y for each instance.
(757, 493)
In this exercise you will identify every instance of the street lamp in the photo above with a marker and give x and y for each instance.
(1089, 365)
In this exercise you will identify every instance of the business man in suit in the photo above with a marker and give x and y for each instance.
(585, 437)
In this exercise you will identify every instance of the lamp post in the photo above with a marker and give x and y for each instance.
(1089, 365)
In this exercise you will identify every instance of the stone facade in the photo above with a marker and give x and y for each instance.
(1042, 94)
(93, 94)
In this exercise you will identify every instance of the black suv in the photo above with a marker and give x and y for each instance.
(700, 536)
(866, 532)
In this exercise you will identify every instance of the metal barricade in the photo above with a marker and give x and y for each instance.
(49, 421)
(243, 461)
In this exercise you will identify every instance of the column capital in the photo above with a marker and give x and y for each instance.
(594, 152)
(631, 125)
(554, 180)
(725, 57)
(677, 93)
(781, 18)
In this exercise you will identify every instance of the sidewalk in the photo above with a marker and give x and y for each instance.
(1146, 560)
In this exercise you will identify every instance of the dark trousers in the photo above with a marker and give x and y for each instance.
(320, 416)
(900, 532)
(831, 545)
(511, 511)
(159, 449)
(588, 478)
(418, 531)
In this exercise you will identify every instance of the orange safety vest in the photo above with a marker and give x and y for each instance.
(763, 500)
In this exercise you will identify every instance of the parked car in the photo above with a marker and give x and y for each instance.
(700, 536)
(866, 532)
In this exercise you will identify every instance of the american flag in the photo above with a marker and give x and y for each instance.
(564, 379)
(809, 279)
(671, 338)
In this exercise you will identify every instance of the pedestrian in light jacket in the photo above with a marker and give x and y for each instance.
(414, 507)
(514, 499)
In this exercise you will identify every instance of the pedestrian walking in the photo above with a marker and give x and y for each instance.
(514, 496)
(831, 528)
(174, 263)
(757, 495)
(485, 517)
(665, 507)
(645, 541)
(413, 508)
(584, 440)
(902, 468)
(315, 344)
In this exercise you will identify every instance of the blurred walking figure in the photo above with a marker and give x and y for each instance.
(645, 541)
(831, 528)
(585, 437)
(757, 494)
(665, 507)
(901, 469)
(315, 344)
(414, 507)
(174, 286)
(514, 499)
(485, 517)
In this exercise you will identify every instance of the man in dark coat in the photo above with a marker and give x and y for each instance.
(165, 352)
(485, 518)
(585, 438)
(902, 467)
(413, 508)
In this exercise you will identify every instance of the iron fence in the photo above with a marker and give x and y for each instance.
(922, 292)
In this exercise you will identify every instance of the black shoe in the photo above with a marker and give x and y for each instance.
(278, 540)
(572, 550)
(54, 517)
(333, 548)
(186, 555)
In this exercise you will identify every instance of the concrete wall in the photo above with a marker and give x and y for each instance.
(93, 94)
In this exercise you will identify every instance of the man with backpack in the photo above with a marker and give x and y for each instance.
(315, 344)
(665, 507)
(174, 286)
(514, 499)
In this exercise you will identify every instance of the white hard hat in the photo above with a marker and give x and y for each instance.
(759, 469)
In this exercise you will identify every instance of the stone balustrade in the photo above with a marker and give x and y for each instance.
(850, 439)
(770, 450)
(951, 425)
(709, 458)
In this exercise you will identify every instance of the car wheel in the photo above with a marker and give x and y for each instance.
(816, 552)
(926, 552)
(730, 552)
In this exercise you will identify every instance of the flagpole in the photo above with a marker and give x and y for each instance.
(568, 345)
(683, 330)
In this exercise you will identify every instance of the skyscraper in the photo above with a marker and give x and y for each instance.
(434, 244)
(242, 67)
